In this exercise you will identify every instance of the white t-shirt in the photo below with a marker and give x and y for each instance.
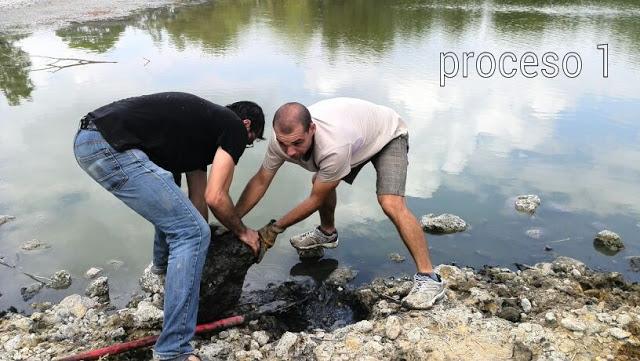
(349, 132)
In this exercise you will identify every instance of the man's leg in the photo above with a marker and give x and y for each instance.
(395, 208)
(391, 168)
(151, 192)
(326, 234)
(327, 211)
(160, 252)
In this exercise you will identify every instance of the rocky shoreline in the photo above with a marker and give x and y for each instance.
(550, 311)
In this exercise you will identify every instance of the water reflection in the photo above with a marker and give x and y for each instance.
(14, 71)
(95, 37)
(475, 143)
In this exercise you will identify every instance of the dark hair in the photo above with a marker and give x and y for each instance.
(292, 111)
(252, 111)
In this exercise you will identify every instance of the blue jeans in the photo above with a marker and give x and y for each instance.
(181, 232)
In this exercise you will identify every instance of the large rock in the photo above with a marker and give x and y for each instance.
(60, 280)
(444, 223)
(227, 263)
(609, 240)
(77, 305)
(527, 203)
(225, 269)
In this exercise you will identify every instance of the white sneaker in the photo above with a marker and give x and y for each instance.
(313, 239)
(425, 292)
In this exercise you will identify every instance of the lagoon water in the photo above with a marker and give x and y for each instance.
(476, 143)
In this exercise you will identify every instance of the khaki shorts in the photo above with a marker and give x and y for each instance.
(391, 167)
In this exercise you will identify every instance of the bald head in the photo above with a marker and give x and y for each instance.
(289, 116)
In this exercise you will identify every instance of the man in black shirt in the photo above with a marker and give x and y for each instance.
(134, 147)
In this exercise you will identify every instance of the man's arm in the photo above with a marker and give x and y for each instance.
(218, 200)
(319, 192)
(196, 184)
(254, 191)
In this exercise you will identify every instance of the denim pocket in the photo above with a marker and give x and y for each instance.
(95, 158)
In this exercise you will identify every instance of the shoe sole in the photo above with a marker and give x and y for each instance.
(333, 244)
(436, 298)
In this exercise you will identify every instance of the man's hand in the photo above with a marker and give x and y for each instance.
(252, 240)
(269, 233)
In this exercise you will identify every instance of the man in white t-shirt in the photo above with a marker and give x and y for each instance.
(335, 138)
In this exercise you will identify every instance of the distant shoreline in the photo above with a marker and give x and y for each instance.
(25, 16)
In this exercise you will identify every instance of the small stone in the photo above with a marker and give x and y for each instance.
(548, 248)
(30, 291)
(550, 317)
(33, 245)
(527, 203)
(396, 257)
(634, 263)
(13, 344)
(287, 340)
(317, 252)
(60, 280)
(147, 315)
(92, 272)
(415, 335)
(6, 218)
(77, 305)
(526, 305)
(521, 352)
(214, 351)
(261, 337)
(324, 351)
(609, 240)
(442, 224)
(98, 288)
(151, 282)
(575, 273)
(623, 320)
(619, 333)
(573, 324)
(353, 343)
(115, 263)
(364, 326)
(392, 327)
(341, 275)
(510, 314)
(534, 233)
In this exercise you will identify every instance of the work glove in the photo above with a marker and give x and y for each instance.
(268, 235)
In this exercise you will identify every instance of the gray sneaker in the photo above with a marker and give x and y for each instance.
(313, 239)
(425, 292)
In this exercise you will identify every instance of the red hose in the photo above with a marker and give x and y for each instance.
(148, 341)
